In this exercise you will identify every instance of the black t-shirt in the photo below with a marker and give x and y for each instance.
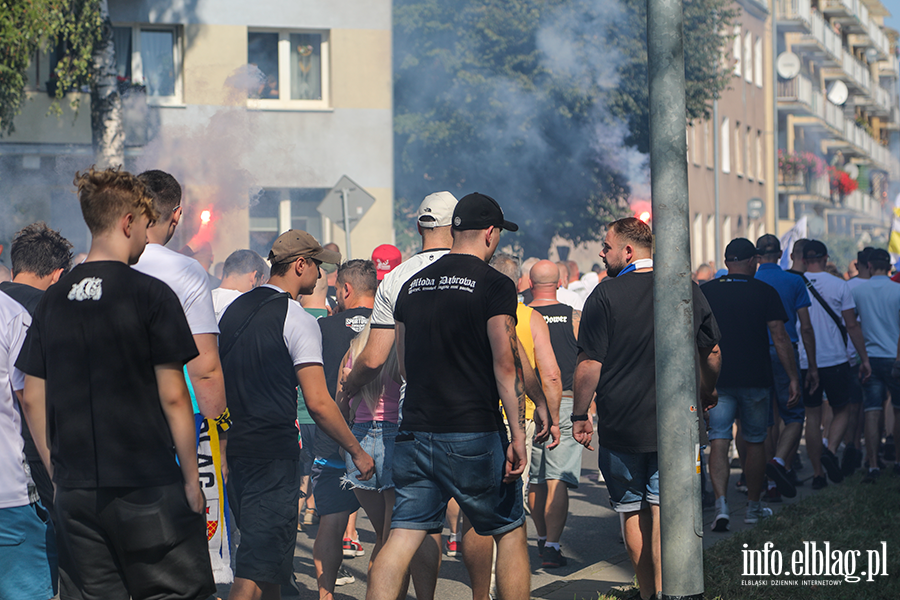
(617, 330)
(337, 333)
(562, 338)
(743, 307)
(445, 307)
(95, 338)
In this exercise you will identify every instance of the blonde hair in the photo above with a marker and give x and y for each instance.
(108, 194)
(372, 392)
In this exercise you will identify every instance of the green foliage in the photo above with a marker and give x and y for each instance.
(506, 98)
(29, 26)
(707, 32)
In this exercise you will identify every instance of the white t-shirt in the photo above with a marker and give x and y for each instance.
(221, 299)
(302, 335)
(187, 279)
(14, 482)
(389, 288)
(830, 348)
(569, 298)
(851, 349)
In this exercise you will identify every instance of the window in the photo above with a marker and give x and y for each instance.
(758, 63)
(277, 209)
(738, 164)
(747, 155)
(695, 148)
(760, 165)
(736, 51)
(708, 142)
(712, 253)
(150, 56)
(294, 68)
(748, 56)
(726, 145)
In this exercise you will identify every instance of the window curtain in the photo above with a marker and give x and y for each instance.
(306, 66)
(158, 62)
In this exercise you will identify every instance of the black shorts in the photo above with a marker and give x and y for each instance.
(307, 454)
(264, 495)
(834, 382)
(132, 542)
(329, 492)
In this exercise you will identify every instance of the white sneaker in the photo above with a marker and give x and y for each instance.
(754, 514)
(344, 577)
(721, 522)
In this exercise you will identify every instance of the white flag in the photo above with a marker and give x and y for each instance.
(797, 232)
(894, 242)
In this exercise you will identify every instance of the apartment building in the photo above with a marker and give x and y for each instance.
(837, 97)
(730, 156)
(258, 108)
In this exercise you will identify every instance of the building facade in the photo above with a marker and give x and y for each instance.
(258, 109)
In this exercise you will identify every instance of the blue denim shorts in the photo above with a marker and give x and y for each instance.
(377, 439)
(27, 553)
(781, 391)
(431, 468)
(632, 479)
(876, 388)
(750, 405)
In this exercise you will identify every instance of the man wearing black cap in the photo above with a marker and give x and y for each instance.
(746, 309)
(451, 441)
(268, 345)
(834, 321)
(796, 304)
(878, 304)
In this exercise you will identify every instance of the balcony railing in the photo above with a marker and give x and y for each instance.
(822, 32)
(889, 67)
(794, 11)
(863, 203)
(857, 71)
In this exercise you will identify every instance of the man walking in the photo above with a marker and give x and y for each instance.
(616, 360)
(834, 320)
(746, 309)
(457, 349)
(555, 471)
(878, 304)
(114, 390)
(243, 270)
(269, 346)
(796, 304)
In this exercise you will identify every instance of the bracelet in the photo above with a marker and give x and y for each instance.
(574, 418)
(223, 421)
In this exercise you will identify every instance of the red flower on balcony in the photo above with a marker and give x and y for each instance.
(841, 182)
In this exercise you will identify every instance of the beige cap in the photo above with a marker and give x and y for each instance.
(294, 243)
(436, 210)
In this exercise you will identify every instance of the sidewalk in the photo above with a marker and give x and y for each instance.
(617, 572)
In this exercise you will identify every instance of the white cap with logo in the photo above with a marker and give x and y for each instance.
(436, 210)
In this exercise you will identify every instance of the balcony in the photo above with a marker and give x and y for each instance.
(864, 203)
(889, 68)
(794, 15)
(855, 73)
(822, 44)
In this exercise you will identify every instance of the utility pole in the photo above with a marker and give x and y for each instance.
(681, 522)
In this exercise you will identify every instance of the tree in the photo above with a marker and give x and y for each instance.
(708, 26)
(522, 100)
(29, 26)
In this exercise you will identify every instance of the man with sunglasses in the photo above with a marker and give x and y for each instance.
(269, 345)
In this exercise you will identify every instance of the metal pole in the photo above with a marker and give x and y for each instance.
(681, 523)
(717, 170)
(344, 193)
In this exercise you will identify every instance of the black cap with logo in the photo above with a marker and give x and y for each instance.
(478, 211)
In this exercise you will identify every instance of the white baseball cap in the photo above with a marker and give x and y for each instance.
(436, 210)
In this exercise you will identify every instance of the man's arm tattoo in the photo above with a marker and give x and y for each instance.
(520, 375)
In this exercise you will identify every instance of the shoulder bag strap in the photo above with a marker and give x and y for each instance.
(224, 350)
(828, 309)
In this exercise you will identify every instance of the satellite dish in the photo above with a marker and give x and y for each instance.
(871, 55)
(852, 170)
(837, 92)
(788, 65)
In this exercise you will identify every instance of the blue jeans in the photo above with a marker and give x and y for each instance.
(750, 405)
(632, 479)
(377, 439)
(876, 388)
(431, 468)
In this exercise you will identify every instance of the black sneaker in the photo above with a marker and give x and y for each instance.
(792, 474)
(819, 482)
(553, 558)
(871, 476)
(848, 461)
(832, 466)
(778, 474)
(541, 547)
(796, 464)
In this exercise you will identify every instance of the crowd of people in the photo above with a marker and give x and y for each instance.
(147, 419)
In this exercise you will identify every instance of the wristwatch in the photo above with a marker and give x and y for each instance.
(575, 417)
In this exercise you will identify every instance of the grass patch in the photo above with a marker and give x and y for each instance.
(851, 516)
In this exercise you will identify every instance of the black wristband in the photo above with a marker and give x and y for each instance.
(574, 418)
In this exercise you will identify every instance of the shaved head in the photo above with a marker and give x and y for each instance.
(544, 272)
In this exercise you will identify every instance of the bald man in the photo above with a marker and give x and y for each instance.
(554, 471)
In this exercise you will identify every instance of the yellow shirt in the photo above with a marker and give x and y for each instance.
(523, 331)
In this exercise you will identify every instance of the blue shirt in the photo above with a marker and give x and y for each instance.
(878, 304)
(793, 294)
